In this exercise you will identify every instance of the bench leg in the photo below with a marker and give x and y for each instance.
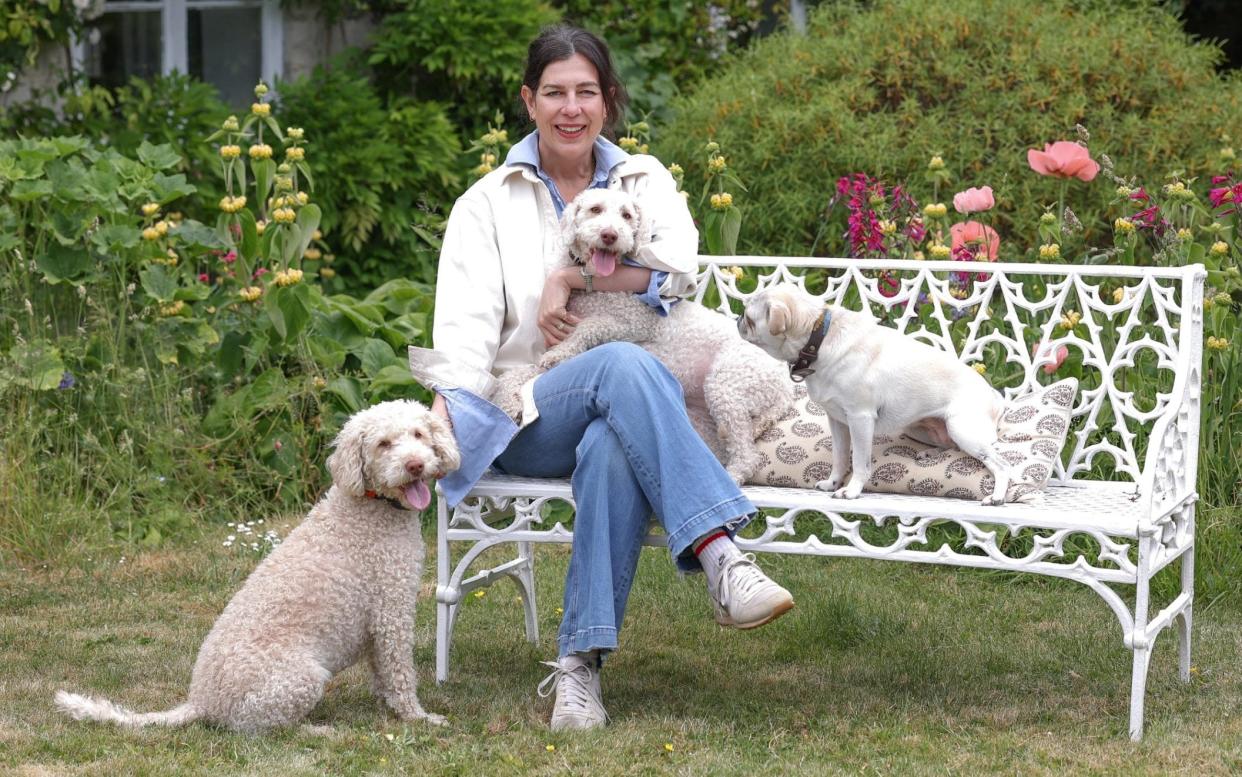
(1138, 691)
(446, 600)
(525, 579)
(1186, 618)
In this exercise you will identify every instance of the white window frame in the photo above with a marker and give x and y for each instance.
(175, 55)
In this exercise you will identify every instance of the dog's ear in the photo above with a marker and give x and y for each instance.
(568, 225)
(443, 442)
(779, 316)
(643, 232)
(347, 462)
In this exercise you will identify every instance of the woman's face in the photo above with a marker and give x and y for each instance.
(567, 108)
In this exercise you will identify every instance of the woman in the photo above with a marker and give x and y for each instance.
(612, 418)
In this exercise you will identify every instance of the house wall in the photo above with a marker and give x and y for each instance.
(307, 42)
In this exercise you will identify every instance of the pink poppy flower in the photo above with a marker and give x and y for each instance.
(974, 200)
(1063, 159)
(1043, 351)
(981, 240)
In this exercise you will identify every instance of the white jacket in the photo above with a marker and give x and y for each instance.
(502, 242)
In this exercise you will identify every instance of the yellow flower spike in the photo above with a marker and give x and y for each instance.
(1119, 294)
(1184, 234)
(303, 198)
(935, 163)
(284, 215)
(676, 169)
(150, 208)
(251, 293)
(726, 199)
(1070, 319)
(260, 151)
(717, 164)
(711, 147)
(317, 235)
(940, 251)
(261, 109)
(487, 158)
(230, 151)
(161, 227)
(150, 233)
(260, 89)
(260, 226)
(715, 202)
(172, 309)
(1219, 248)
(1223, 299)
(327, 273)
(888, 227)
(935, 210)
(980, 368)
(296, 133)
(284, 183)
(312, 254)
(295, 153)
(1123, 226)
(737, 272)
(644, 148)
(230, 124)
(502, 136)
(483, 169)
(1049, 251)
(1208, 303)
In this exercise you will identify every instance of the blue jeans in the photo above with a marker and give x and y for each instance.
(615, 419)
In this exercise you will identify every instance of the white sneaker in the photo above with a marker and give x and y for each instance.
(744, 597)
(578, 705)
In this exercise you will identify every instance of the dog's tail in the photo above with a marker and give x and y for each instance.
(81, 707)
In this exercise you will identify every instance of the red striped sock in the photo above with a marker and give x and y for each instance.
(708, 539)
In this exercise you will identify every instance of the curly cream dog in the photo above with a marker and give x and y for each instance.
(873, 380)
(340, 587)
(733, 390)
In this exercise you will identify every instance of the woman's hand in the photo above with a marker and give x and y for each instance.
(440, 408)
(554, 320)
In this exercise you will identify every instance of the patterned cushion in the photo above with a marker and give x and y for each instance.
(797, 451)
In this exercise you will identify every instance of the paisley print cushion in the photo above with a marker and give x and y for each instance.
(797, 451)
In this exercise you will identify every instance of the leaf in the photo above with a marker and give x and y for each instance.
(63, 263)
(391, 377)
(295, 305)
(349, 391)
(159, 157)
(327, 352)
(113, 238)
(264, 170)
(167, 188)
(28, 191)
(308, 222)
(269, 391)
(729, 230)
(158, 283)
(229, 355)
(375, 355)
(274, 127)
(250, 235)
(289, 243)
(195, 233)
(304, 169)
(40, 365)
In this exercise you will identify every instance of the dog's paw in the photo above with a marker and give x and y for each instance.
(434, 719)
(990, 500)
(831, 484)
(851, 490)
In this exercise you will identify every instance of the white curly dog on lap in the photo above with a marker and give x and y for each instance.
(339, 588)
(734, 391)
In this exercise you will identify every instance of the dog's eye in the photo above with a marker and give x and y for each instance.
(418, 435)
(596, 209)
(625, 214)
(384, 444)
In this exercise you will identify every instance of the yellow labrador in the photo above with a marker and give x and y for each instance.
(873, 380)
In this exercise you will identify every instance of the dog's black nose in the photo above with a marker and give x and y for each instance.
(414, 467)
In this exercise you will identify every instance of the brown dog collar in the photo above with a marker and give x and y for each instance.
(392, 502)
(801, 368)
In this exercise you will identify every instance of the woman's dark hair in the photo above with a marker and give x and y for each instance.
(560, 42)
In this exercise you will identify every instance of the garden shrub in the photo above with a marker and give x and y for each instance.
(882, 87)
(140, 349)
(395, 169)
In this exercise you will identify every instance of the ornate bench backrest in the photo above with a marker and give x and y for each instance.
(1136, 345)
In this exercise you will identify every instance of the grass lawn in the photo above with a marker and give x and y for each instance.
(884, 668)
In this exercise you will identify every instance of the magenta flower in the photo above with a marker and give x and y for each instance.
(229, 258)
(203, 277)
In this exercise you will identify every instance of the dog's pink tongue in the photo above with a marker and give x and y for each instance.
(605, 262)
(418, 495)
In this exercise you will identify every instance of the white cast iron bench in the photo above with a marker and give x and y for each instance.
(1125, 486)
